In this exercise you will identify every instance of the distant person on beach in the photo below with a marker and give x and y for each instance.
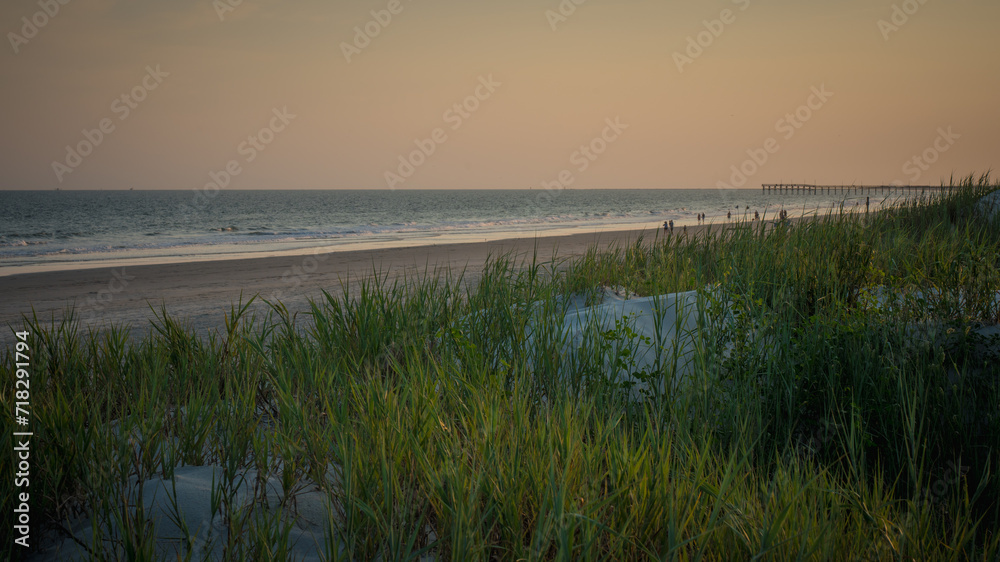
(666, 226)
(756, 215)
(671, 226)
(729, 215)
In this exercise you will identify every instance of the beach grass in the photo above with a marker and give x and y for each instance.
(844, 405)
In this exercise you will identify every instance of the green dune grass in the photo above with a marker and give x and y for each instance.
(845, 406)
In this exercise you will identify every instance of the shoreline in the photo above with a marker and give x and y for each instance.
(84, 258)
(328, 248)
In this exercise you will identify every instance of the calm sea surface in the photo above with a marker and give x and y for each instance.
(65, 229)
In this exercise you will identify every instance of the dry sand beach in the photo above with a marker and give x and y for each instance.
(202, 292)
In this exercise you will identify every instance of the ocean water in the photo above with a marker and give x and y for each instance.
(71, 229)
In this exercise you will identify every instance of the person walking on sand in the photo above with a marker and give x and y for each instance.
(756, 215)
(729, 216)
(671, 226)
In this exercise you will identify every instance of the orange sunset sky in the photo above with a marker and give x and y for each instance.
(186, 88)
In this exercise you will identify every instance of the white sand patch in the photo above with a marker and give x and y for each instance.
(188, 500)
(989, 206)
(648, 343)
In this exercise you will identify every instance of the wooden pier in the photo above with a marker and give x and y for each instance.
(809, 188)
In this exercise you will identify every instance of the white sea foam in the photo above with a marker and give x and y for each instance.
(95, 226)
